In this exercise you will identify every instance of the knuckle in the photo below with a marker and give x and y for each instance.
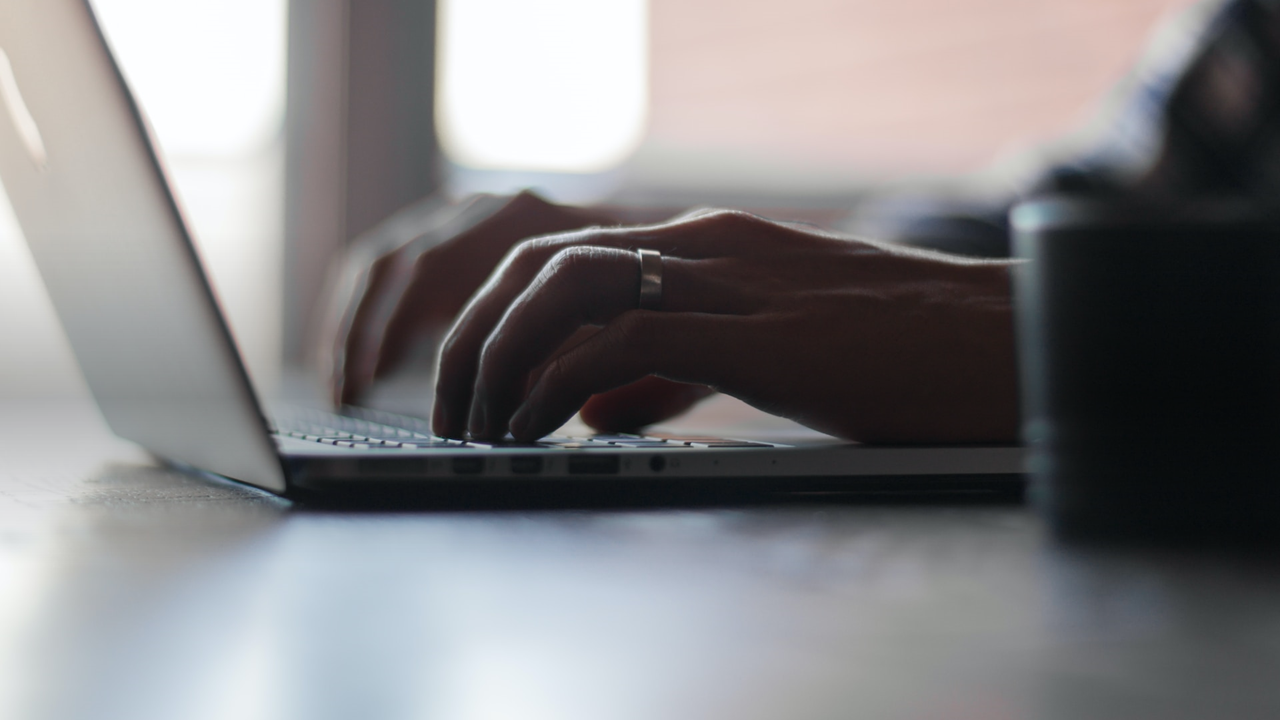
(382, 263)
(520, 260)
(523, 255)
(422, 261)
(516, 253)
(364, 253)
(552, 243)
(528, 257)
(527, 198)
(450, 348)
(697, 212)
(571, 263)
(537, 252)
(717, 223)
(539, 246)
(732, 218)
(556, 241)
(373, 275)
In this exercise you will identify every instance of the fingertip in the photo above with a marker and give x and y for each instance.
(477, 419)
(346, 397)
(351, 387)
(353, 379)
(520, 424)
(446, 421)
(340, 390)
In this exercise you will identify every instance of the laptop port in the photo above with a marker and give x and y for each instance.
(399, 467)
(594, 465)
(526, 465)
(468, 465)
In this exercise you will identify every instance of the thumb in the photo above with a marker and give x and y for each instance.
(643, 402)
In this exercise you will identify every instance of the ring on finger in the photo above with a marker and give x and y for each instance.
(650, 279)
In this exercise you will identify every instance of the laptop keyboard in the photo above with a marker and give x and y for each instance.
(364, 429)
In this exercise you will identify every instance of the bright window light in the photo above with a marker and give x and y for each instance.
(210, 73)
(545, 85)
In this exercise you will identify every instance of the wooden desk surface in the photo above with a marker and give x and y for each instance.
(130, 591)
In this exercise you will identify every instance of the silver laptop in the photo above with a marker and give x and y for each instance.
(115, 252)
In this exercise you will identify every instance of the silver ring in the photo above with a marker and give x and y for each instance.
(650, 279)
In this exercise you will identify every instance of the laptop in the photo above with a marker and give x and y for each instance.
(115, 252)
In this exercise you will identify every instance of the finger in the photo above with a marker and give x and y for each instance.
(701, 237)
(644, 402)
(362, 285)
(444, 280)
(352, 367)
(578, 286)
(581, 287)
(685, 347)
(339, 296)
(387, 280)
(345, 288)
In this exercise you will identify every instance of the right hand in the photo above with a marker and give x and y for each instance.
(863, 340)
(408, 279)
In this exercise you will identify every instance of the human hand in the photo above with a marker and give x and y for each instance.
(861, 340)
(409, 277)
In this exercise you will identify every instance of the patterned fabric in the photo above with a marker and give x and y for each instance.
(1198, 117)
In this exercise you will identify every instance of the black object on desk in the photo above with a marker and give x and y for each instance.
(1150, 350)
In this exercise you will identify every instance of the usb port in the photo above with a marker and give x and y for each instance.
(593, 465)
(526, 465)
(467, 465)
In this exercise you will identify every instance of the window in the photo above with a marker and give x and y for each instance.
(210, 76)
(553, 85)
(801, 96)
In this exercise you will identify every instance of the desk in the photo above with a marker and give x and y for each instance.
(131, 591)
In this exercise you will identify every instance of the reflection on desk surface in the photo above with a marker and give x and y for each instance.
(131, 591)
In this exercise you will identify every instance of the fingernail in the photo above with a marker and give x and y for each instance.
(520, 422)
(478, 425)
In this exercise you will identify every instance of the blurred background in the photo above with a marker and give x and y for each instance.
(291, 127)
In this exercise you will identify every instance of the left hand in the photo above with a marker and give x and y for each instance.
(408, 278)
(857, 339)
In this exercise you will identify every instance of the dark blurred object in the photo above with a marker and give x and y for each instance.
(1149, 339)
(976, 227)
